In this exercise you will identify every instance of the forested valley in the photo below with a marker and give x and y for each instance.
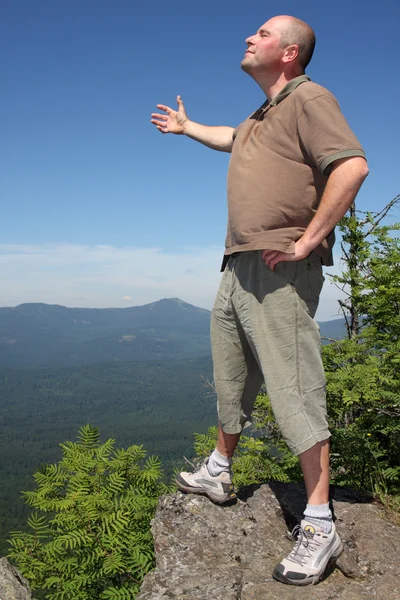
(157, 405)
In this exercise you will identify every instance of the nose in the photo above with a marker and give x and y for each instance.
(249, 40)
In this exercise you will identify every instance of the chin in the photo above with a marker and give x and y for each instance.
(244, 65)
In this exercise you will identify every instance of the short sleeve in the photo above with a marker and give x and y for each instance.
(325, 134)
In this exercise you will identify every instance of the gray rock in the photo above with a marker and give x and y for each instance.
(12, 585)
(209, 552)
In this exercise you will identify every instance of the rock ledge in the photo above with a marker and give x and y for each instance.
(209, 552)
(12, 585)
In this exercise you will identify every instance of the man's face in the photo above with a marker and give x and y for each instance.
(264, 52)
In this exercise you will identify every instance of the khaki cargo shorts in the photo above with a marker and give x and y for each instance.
(262, 330)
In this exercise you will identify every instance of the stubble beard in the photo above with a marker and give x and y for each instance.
(245, 65)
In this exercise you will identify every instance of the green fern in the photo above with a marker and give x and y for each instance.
(90, 532)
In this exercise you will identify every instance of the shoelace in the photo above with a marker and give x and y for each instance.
(306, 544)
(196, 468)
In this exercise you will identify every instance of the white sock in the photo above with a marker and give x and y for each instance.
(320, 516)
(218, 463)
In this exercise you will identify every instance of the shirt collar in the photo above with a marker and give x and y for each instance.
(288, 89)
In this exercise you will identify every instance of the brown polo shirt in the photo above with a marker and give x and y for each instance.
(280, 163)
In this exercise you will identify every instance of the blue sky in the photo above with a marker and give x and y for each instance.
(97, 207)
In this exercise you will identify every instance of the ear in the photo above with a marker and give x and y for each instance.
(291, 53)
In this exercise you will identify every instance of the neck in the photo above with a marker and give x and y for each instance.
(271, 86)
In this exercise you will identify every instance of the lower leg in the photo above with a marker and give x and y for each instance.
(315, 466)
(221, 459)
(227, 442)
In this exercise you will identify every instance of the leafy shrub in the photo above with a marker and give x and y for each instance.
(91, 535)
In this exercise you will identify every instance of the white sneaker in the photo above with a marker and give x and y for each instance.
(219, 488)
(310, 556)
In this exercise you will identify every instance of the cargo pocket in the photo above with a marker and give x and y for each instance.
(284, 271)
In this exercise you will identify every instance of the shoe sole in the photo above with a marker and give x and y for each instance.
(338, 549)
(184, 487)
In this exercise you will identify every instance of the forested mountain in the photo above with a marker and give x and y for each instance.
(42, 335)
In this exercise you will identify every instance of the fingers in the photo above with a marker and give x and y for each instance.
(273, 257)
(269, 257)
(268, 253)
(157, 122)
(167, 122)
(160, 126)
(165, 108)
(160, 121)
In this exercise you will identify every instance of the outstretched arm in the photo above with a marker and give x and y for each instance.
(217, 138)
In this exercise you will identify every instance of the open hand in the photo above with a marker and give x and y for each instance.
(173, 121)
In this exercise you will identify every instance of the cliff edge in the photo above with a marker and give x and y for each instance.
(209, 552)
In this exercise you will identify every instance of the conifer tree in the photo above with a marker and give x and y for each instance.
(363, 376)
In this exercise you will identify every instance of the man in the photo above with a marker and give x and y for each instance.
(295, 169)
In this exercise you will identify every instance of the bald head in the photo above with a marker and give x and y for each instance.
(295, 31)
